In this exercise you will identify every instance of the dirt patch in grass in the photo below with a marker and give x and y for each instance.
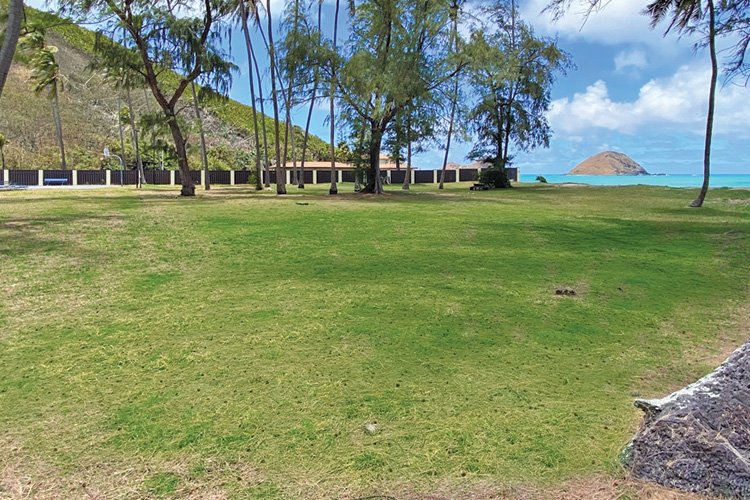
(24, 476)
(588, 488)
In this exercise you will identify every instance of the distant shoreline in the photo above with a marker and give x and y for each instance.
(666, 180)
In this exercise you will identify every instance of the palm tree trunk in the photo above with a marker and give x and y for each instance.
(334, 189)
(204, 154)
(120, 129)
(266, 163)
(698, 202)
(301, 184)
(284, 155)
(450, 134)
(294, 159)
(280, 175)
(58, 129)
(407, 177)
(134, 135)
(249, 47)
(10, 39)
(454, 98)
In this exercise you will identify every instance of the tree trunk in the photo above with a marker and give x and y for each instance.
(280, 174)
(134, 136)
(294, 159)
(450, 134)
(287, 120)
(188, 186)
(334, 189)
(374, 183)
(120, 129)
(301, 184)
(266, 163)
(407, 177)
(10, 40)
(249, 47)
(316, 79)
(58, 129)
(204, 154)
(454, 97)
(698, 202)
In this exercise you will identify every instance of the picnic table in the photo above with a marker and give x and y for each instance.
(55, 181)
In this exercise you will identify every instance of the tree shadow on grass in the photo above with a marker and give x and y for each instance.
(41, 235)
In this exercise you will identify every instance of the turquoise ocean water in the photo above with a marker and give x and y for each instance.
(672, 180)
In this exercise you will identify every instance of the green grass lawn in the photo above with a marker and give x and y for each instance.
(237, 343)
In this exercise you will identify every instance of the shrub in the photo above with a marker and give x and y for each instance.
(495, 177)
(540, 178)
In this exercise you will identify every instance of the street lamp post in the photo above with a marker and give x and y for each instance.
(107, 154)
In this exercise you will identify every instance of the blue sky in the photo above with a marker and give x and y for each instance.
(632, 91)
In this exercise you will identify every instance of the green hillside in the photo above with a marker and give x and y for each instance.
(89, 111)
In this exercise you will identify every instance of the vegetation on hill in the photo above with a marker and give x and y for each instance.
(90, 110)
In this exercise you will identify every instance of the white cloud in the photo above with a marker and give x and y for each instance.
(678, 102)
(630, 59)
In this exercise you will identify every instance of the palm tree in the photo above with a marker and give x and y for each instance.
(280, 177)
(123, 78)
(244, 13)
(332, 118)
(120, 118)
(202, 135)
(3, 142)
(10, 39)
(316, 79)
(46, 77)
(134, 136)
(685, 15)
(267, 164)
(455, 5)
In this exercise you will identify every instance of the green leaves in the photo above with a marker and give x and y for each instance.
(512, 72)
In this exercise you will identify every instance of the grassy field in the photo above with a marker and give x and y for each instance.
(237, 344)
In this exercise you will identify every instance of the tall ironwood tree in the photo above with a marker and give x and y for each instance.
(397, 54)
(512, 72)
(170, 40)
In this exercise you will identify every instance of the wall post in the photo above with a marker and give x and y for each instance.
(75, 177)
(203, 177)
(6, 177)
(315, 176)
(413, 179)
(231, 177)
(107, 177)
(171, 178)
(41, 178)
(339, 176)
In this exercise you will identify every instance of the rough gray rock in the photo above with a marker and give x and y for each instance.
(698, 438)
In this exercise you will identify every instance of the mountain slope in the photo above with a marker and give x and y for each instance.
(90, 110)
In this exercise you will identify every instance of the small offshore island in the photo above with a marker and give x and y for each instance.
(608, 163)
